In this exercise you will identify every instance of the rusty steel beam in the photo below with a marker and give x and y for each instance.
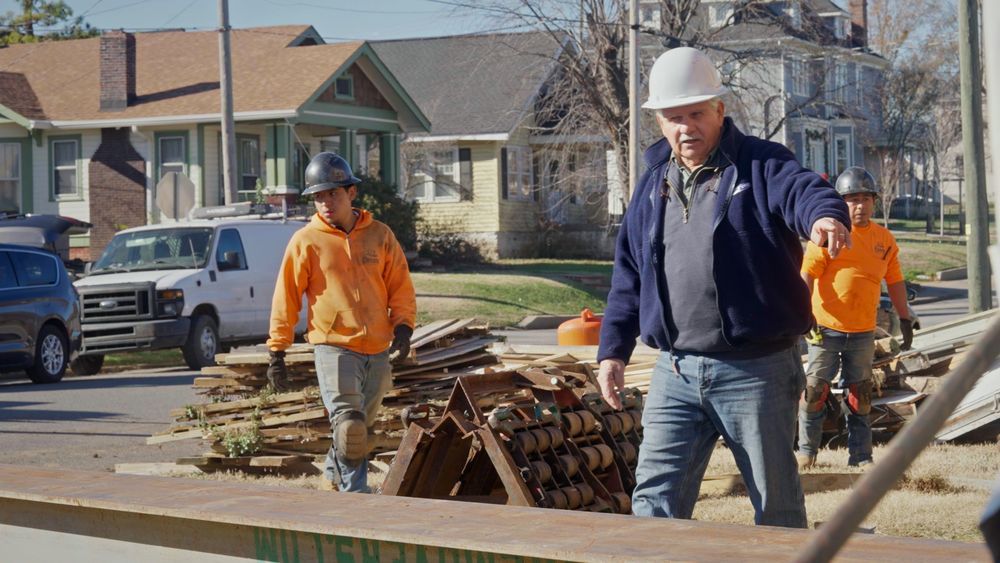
(63, 515)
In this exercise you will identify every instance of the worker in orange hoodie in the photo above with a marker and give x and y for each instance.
(845, 299)
(362, 310)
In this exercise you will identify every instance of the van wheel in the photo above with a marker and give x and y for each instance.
(87, 365)
(202, 344)
(51, 356)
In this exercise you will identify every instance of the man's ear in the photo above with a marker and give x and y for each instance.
(352, 192)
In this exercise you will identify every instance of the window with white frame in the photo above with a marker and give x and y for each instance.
(64, 167)
(173, 155)
(800, 77)
(519, 174)
(840, 82)
(10, 178)
(719, 14)
(649, 15)
(794, 14)
(437, 178)
(841, 153)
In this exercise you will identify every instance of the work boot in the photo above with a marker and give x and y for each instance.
(805, 461)
(351, 439)
(327, 485)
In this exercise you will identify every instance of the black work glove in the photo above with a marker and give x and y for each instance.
(277, 371)
(400, 348)
(906, 327)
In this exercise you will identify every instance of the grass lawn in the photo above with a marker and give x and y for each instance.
(498, 297)
(145, 358)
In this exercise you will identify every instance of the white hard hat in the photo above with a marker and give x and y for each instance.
(681, 77)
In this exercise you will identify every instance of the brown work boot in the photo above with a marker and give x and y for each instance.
(805, 461)
(326, 484)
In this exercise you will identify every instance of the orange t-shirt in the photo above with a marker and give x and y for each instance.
(846, 289)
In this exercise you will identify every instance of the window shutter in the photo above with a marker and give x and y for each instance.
(465, 173)
(503, 173)
(535, 178)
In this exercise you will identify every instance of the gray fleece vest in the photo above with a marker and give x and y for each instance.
(695, 323)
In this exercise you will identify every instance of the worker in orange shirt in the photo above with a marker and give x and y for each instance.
(845, 297)
(362, 309)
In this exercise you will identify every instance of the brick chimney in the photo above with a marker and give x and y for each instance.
(117, 70)
(859, 23)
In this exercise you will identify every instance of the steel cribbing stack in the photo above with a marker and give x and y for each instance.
(905, 447)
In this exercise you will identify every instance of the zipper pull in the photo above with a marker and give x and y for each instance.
(685, 215)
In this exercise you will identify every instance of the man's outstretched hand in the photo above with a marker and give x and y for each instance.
(832, 234)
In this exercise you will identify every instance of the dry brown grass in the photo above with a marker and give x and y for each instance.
(941, 496)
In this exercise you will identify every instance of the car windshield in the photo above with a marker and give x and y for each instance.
(162, 249)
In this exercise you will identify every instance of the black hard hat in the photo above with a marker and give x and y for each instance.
(856, 180)
(326, 171)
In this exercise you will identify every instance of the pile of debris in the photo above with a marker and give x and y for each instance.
(247, 425)
(540, 435)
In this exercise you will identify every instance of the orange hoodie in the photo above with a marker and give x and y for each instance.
(357, 285)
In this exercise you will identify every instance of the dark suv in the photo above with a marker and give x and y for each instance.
(39, 313)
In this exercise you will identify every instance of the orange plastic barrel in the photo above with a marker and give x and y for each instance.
(584, 331)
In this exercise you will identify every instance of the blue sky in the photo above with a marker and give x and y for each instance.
(334, 19)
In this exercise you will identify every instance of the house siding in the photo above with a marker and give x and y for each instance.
(479, 215)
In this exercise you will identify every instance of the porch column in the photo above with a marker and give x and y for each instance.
(348, 149)
(278, 147)
(389, 158)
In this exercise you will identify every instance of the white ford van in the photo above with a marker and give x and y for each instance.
(196, 285)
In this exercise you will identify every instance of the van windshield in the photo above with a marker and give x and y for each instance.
(162, 249)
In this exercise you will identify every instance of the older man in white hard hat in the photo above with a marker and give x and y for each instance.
(707, 271)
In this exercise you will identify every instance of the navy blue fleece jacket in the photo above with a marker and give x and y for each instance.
(767, 201)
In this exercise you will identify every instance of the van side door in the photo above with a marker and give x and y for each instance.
(234, 286)
(17, 319)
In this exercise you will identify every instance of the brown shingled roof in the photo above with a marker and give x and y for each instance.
(177, 73)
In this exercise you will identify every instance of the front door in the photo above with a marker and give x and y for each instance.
(817, 156)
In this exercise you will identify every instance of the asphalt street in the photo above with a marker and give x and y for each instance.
(95, 422)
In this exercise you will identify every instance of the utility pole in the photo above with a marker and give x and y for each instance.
(975, 158)
(226, 89)
(991, 48)
(633, 95)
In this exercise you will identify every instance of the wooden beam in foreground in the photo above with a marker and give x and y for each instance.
(64, 515)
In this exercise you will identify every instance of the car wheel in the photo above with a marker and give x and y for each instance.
(202, 344)
(87, 365)
(51, 356)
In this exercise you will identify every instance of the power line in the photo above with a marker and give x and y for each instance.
(352, 10)
(122, 7)
(92, 6)
(184, 9)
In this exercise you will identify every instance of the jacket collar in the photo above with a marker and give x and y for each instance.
(364, 219)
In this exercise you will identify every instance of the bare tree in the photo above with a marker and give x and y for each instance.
(593, 98)
(918, 38)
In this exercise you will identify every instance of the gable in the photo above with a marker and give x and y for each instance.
(365, 92)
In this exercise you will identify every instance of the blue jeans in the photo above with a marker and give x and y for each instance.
(751, 403)
(350, 381)
(852, 354)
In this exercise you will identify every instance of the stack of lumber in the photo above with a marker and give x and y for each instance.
(244, 420)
